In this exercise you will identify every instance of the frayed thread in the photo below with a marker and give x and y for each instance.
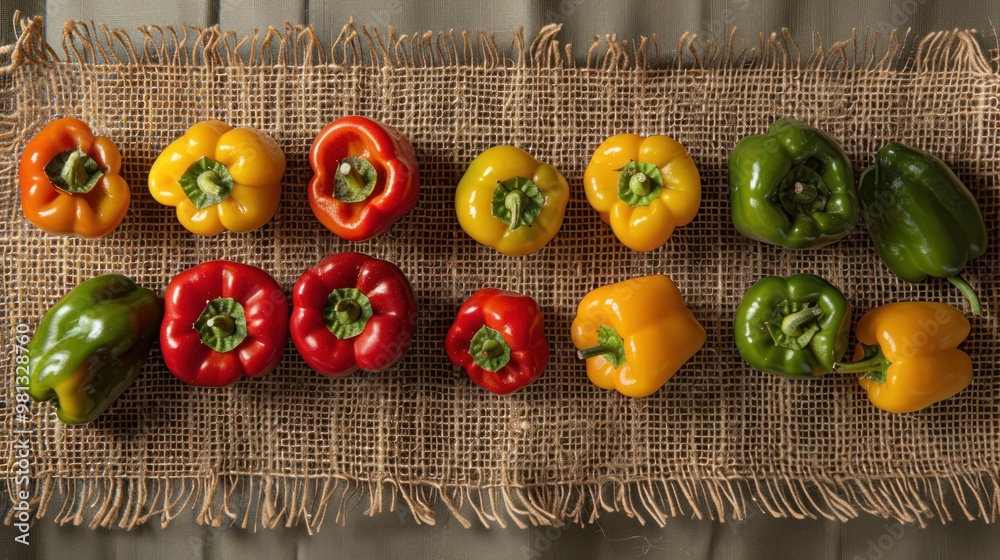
(256, 502)
(87, 43)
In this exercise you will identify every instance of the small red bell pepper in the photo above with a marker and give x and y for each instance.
(351, 312)
(365, 178)
(499, 338)
(223, 320)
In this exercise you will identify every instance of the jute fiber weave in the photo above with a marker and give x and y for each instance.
(719, 441)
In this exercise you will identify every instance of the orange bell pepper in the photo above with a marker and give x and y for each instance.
(635, 334)
(70, 183)
(908, 357)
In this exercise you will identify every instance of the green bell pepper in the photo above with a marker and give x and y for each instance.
(922, 218)
(793, 186)
(91, 345)
(796, 326)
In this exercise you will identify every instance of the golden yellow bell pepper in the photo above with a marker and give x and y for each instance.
(908, 355)
(635, 334)
(219, 178)
(643, 188)
(509, 201)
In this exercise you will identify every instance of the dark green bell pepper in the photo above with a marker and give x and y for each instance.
(922, 218)
(796, 326)
(793, 186)
(91, 345)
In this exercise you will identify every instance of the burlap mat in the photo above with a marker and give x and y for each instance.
(719, 441)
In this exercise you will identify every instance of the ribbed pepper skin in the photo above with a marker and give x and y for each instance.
(265, 309)
(826, 346)
(397, 188)
(908, 355)
(473, 200)
(922, 218)
(763, 168)
(657, 330)
(643, 227)
(92, 214)
(384, 338)
(91, 345)
(518, 320)
(254, 161)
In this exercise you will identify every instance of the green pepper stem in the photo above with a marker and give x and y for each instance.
(804, 193)
(491, 349)
(73, 172)
(792, 324)
(347, 311)
(354, 180)
(968, 292)
(598, 350)
(639, 184)
(206, 183)
(514, 201)
(876, 363)
(210, 183)
(76, 172)
(222, 324)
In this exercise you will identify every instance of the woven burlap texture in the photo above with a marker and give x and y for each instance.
(720, 440)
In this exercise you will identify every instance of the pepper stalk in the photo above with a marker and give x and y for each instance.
(73, 171)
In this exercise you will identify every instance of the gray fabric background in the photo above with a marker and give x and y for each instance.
(395, 534)
(582, 19)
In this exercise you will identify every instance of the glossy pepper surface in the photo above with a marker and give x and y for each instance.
(365, 177)
(351, 312)
(509, 201)
(922, 218)
(91, 345)
(908, 355)
(219, 178)
(793, 186)
(643, 188)
(796, 327)
(635, 334)
(223, 320)
(499, 338)
(70, 183)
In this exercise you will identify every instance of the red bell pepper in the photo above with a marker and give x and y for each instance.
(499, 338)
(351, 312)
(365, 178)
(223, 320)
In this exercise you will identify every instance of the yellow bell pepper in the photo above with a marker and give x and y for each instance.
(509, 201)
(643, 188)
(635, 334)
(908, 355)
(219, 178)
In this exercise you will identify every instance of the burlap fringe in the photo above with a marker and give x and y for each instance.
(299, 46)
(254, 501)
